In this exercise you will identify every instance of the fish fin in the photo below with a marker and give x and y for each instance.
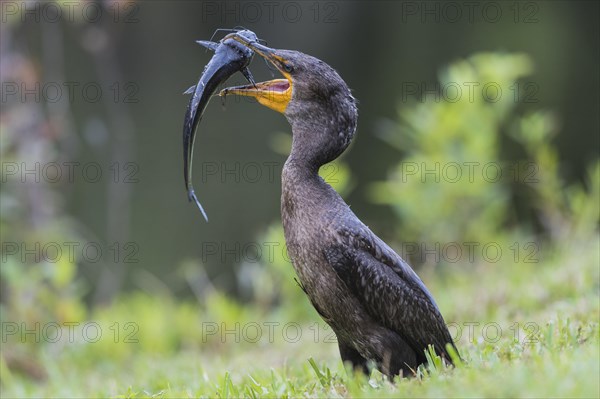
(248, 75)
(191, 90)
(209, 45)
(192, 197)
(225, 30)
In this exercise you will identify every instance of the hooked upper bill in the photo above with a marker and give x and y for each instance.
(275, 94)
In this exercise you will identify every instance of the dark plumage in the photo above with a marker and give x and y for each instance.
(379, 309)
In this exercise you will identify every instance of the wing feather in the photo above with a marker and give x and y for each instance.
(390, 291)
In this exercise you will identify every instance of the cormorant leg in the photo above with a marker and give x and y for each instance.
(399, 368)
(403, 361)
(397, 357)
(349, 354)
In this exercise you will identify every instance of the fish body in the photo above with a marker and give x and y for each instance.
(230, 57)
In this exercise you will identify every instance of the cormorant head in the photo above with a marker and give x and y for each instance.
(313, 97)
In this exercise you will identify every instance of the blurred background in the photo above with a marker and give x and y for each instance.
(478, 124)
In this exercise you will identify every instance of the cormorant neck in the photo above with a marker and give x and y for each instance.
(306, 157)
(311, 149)
(304, 192)
(301, 165)
(318, 138)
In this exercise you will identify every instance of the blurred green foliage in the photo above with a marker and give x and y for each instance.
(453, 186)
(40, 275)
(438, 135)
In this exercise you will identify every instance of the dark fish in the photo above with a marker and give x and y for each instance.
(230, 57)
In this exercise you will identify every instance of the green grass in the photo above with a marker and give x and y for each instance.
(541, 322)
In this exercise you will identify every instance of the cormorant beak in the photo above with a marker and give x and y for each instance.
(275, 94)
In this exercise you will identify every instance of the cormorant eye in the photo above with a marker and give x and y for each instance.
(288, 68)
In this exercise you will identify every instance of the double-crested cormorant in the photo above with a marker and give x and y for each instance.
(379, 309)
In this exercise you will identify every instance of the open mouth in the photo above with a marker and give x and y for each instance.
(274, 86)
(275, 94)
(280, 85)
